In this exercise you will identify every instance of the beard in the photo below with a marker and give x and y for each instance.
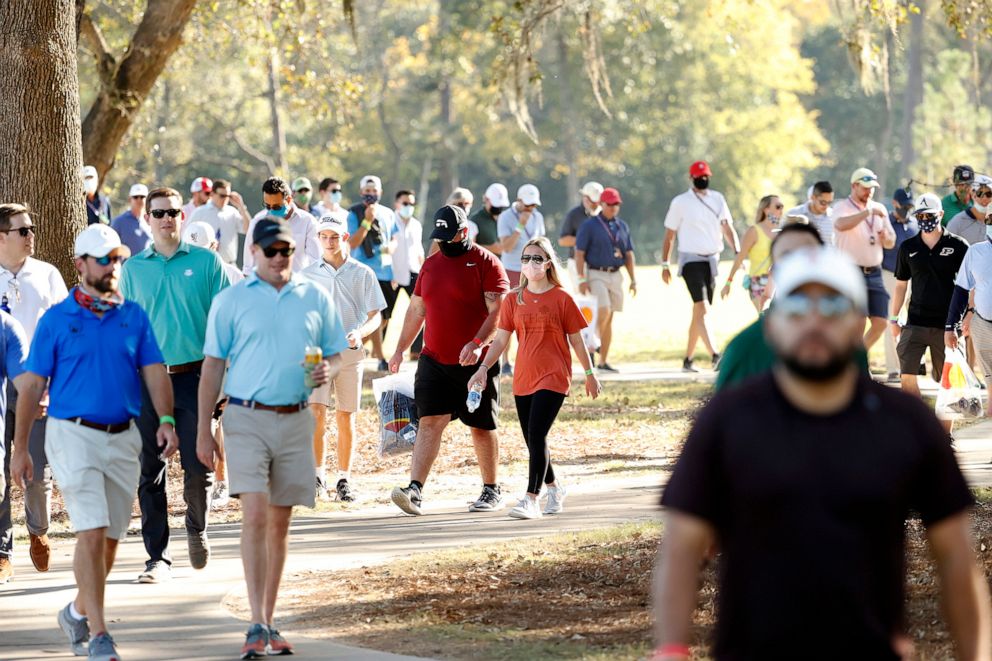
(105, 285)
(819, 373)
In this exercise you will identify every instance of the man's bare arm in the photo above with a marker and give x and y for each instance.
(676, 578)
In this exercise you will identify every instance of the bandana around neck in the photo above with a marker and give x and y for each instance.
(96, 305)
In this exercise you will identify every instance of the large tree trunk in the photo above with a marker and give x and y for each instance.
(448, 166)
(125, 84)
(39, 122)
(914, 89)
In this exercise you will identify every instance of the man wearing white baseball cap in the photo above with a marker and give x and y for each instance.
(131, 225)
(201, 233)
(832, 453)
(494, 202)
(587, 207)
(97, 204)
(199, 191)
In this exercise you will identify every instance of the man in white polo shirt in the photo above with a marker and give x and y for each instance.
(227, 220)
(701, 219)
(278, 202)
(199, 194)
(862, 229)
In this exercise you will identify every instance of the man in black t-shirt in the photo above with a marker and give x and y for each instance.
(804, 477)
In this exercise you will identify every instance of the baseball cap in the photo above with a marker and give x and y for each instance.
(498, 195)
(332, 224)
(865, 177)
(826, 266)
(98, 240)
(610, 196)
(448, 221)
(301, 183)
(371, 180)
(592, 190)
(928, 203)
(199, 234)
(700, 169)
(269, 231)
(138, 190)
(528, 194)
(964, 174)
(201, 185)
(980, 181)
(903, 197)
(89, 172)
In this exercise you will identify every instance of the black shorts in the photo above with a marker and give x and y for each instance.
(698, 278)
(442, 390)
(390, 295)
(913, 342)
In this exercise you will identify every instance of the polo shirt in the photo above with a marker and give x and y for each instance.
(97, 209)
(265, 357)
(381, 265)
(92, 363)
(36, 287)
(600, 244)
(134, 231)
(303, 226)
(823, 222)
(976, 273)
(486, 225)
(856, 241)
(573, 221)
(227, 224)
(952, 206)
(13, 348)
(353, 288)
(176, 293)
(903, 231)
(698, 219)
(505, 226)
(967, 227)
(932, 273)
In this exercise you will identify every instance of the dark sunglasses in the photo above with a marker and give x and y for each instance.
(612, 204)
(223, 195)
(23, 231)
(987, 193)
(273, 207)
(107, 259)
(537, 259)
(272, 252)
(162, 213)
(926, 217)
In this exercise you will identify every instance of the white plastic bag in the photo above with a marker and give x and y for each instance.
(960, 393)
(397, 413)
(589, 309)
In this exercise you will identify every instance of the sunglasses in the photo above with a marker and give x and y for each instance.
(272, 252)
(223, 195)
(162, 213)
(106, 260)
(537, 259)
(23, 231)
(926, 217)
(612, 204)
(778, 207)
(984, 194)
(801, 305)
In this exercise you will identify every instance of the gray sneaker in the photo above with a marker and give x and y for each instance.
(102, 648)
(156, 571)
(408, 499)
(199, 549)
(77, 631)
(556, 500)
(491, 500)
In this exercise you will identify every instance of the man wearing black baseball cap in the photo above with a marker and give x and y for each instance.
(905, 226)
(960, 199)
(458, 295)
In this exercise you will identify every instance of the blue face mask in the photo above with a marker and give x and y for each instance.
(369, 198)
(336, 197)
(280, 212)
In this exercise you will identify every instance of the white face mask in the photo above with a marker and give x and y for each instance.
(534, 272)
(89, 185)
(982, 208)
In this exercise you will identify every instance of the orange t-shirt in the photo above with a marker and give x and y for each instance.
(542, 324)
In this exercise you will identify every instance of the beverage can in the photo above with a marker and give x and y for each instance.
(311, 359)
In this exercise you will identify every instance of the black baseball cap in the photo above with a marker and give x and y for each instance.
(268, 231)
(448, 221)
(964, 174)
(903, 197)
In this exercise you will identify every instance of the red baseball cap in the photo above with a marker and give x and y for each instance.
(610, 196)
(700, 169)
(201, 185)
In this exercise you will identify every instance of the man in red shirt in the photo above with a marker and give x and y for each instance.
(458, 294)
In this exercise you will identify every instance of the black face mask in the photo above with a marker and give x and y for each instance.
(819, 373)
(496, 211)
(453, 248)
(702, 183)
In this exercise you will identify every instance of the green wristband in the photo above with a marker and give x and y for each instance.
(162, 419)
(589, 372)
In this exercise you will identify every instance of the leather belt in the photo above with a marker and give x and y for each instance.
(869, 270)
(115, 428)
(184, 368)
(249, 404)
(608, 269)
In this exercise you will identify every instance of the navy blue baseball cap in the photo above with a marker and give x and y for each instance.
(903, 197)
(269, 231)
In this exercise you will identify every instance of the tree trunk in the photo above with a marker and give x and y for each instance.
(39, 123)
(448, 166)
(567, 105)
(886, 171)
(125, 85)
(914, 89)
(275, 111)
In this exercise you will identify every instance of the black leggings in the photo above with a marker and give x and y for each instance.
(537, 413)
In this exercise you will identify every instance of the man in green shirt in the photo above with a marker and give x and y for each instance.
(175, 283)
(494, 202)
(956, 202)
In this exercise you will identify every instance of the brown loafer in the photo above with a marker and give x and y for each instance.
(40, 552)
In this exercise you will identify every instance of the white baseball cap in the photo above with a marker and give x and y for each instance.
(980, 181)
(332, 224)
(371, 180)
(528, 194)
(89, 172)
(592, 190)
(98, 240)
(199, 234)
(865, 177)
(497, 195)
(928, 203)
(138, 190)
(826, 266)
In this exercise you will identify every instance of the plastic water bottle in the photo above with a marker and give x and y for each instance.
(474, 398)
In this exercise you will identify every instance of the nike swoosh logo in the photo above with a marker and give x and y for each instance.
(470, 264)
(914, 254)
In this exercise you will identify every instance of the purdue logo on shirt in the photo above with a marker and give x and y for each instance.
(944, 252)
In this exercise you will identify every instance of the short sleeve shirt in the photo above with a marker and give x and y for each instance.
(697, 219)
(952, 206)
(932, 273)
(857, 241)
(369, 252)
(486, 225)
(507, 224)
(967, 227)
(353, 288)
(134, 231)
(453, 290)
(304, 230)
(13, 351)
(573, 221)
(36, 287)
(604, 242)
(226, 222)
(976, 273)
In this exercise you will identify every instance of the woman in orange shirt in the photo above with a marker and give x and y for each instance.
(546, 320)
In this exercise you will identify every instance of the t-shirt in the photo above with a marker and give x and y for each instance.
(903, 231)
(486, 225)
(810, 512)
(698, 220)
(507, 224)
(227, 224)
(573, 221)
(857, 241)
(453, 289)
(542, 324)
(369, 251)
(932, 273)
(823, 222)
(967, 227)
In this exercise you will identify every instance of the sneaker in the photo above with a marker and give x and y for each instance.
(102, 648)
(556, 499)
(199, 549)
(506, 370)
(256, 642)
(383, 365)
(716, 362)
(408, 499)
(489, 501)
(687, 365)
(344, 492)
(605, 367)
(219, 496)
(156, 571)
(323, 493)
(6, 569)
(527, 508)
(893, 377)
(277, 644)
(77, 631)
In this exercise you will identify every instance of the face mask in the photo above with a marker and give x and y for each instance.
(406, 211)
(496, 211)
(702, 183)
(772, 219)
(336, 197)
(89, 185)
(302, 198)
(928, 226)
(281, 212)
(533, 271)
(369, 199)
(982, 208)
(453, 249)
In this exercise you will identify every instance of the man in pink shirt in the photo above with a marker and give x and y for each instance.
(862, 229)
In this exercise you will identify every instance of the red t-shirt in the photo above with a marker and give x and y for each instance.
(542, 323)
(453, 289)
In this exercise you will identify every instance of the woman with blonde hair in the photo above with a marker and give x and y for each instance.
(546, 321)
(756, 246)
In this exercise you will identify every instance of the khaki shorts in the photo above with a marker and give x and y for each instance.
(270, 453)
(607, 288)
(97, 473)
(347, 384)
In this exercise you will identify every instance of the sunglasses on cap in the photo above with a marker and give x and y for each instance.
(162, 213)
(23, 231)
(272, 252)
(537, 259)
(106, 260)
(801, 305)
(867, 179)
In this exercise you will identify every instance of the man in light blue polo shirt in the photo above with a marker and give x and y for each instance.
(175, 283)
(263, 327)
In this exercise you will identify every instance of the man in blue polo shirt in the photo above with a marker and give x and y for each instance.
(267, 426)
(602, 247)
(174, 283)
(92, 351)
(13, 347)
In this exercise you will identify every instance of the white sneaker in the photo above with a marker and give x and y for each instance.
(527, 508)
(556, 500)
(219, 496)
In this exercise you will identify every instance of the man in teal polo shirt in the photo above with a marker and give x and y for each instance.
(175, 283)
(960, 198)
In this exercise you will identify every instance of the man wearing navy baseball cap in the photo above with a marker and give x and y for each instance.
(905, 226)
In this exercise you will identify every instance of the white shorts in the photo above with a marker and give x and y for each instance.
(97, 473)
(347, 384)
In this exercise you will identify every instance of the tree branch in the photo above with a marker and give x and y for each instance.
(106, 63)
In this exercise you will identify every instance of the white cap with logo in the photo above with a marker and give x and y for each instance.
(592, 190)
(332, 224)
(865, 177)
(371, 180)
(528, 194)
(826, 266)
(199, 234)
(98, 240)
(928, 203)
(497, 195)
(138, 190)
